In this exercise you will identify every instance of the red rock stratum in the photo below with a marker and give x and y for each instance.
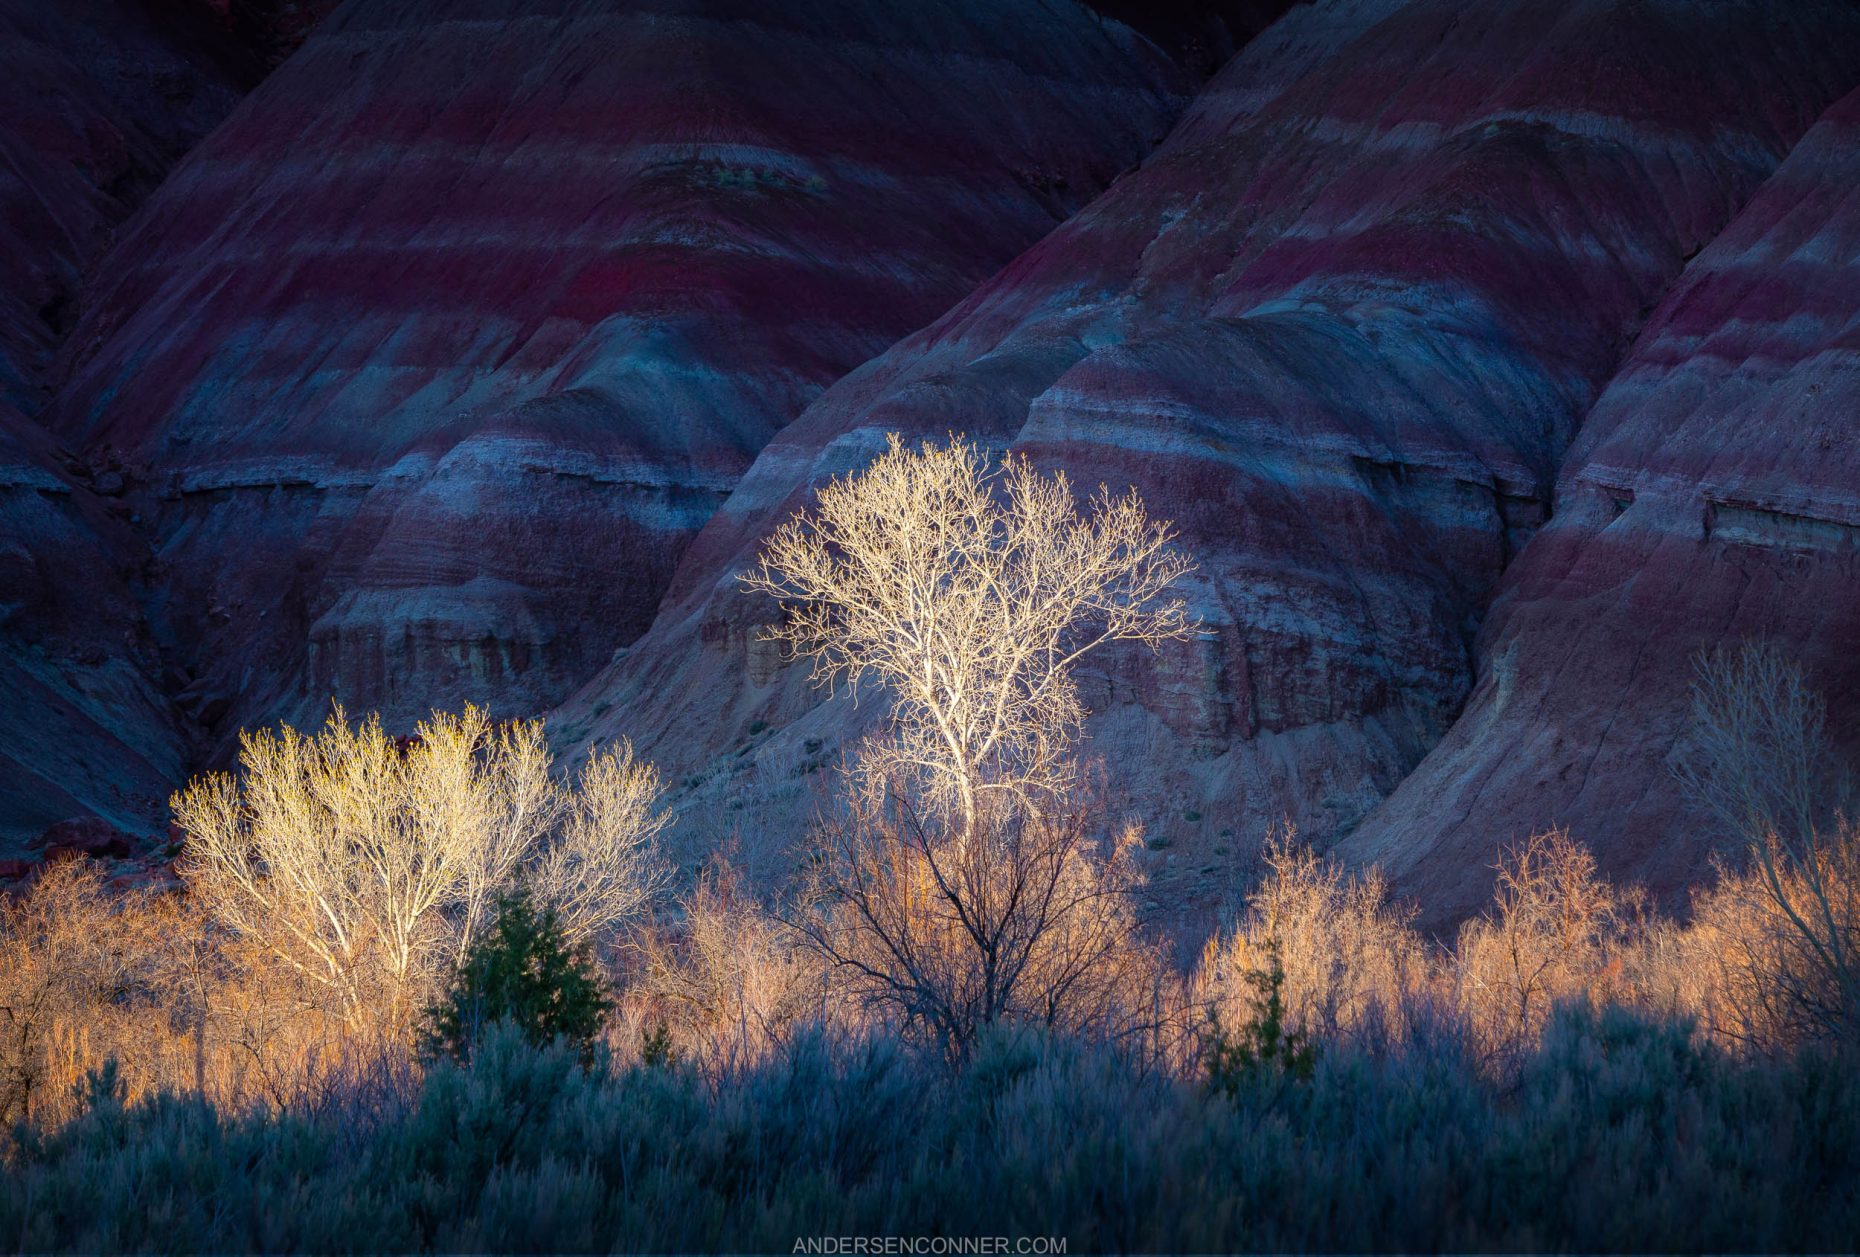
(443, 346)
(1342, 327)
(1712, 496)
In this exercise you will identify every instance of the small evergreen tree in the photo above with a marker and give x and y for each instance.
(655, 1047)
(525, 972)
(1266, 1047)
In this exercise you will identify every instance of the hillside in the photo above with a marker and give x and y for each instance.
(1492, 360)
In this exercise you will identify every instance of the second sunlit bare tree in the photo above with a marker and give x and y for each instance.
(368, 865)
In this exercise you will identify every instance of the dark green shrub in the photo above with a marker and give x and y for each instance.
(522, 971)
(655, 1047)
(1265, 1049)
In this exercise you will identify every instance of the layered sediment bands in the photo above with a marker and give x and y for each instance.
(1340, 328)
(543, 503)
(445, 344)
(1712, 496)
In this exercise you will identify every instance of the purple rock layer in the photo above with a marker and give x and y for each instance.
(1712, 496)
(1341, 328)
(444, 345)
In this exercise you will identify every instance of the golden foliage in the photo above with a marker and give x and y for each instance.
(727, 979)
(1752, 970)
(366, 867)
(1553, 933)
(1352, 964)
(1760, 758)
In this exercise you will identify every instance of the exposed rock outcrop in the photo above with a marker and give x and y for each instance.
(440, 350)
(88, 837)
(1341, 328)
(1712, 496)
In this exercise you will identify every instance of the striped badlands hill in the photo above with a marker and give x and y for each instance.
(1341, 328)
(443, 346)
(1713, 495)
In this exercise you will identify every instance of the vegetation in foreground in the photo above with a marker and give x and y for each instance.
(1617, 1133)
(431, 993)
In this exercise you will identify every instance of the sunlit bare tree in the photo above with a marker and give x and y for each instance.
(968, 595)
(602, 866)
(366, 864)
(968, 880)
(1759, 756)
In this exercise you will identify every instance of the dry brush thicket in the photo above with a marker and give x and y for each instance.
(330, 888)
(367, 866)
(1762, 759)
(969, 900)
(154, 981)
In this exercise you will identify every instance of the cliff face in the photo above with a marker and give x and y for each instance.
(99, 98)
(1341, 328)
(1712, 496)
(441, 348)
(271, 29)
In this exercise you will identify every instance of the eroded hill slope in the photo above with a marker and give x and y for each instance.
(1342, 328)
